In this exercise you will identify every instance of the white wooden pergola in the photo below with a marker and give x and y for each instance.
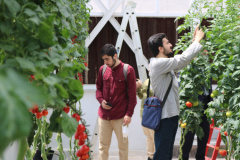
(108, 9)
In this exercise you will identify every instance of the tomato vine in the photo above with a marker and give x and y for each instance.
(39, 65)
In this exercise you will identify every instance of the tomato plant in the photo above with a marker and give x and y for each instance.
(221, 48)
(42, 50)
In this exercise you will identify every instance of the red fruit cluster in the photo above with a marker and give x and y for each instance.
(83, 152)
(76, 116)
(81, 136)
(80, 77)
(38, 114)
(223, 152)
(85, 64)
(66, 109)
(32, 77)
(74, 39)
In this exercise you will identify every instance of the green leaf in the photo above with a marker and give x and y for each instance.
(188, 86)
(69, 125)
(26, 64)
(236, 73)
(76, 88)
(55, 122)
(62, 91)
(231, 66)
(211, 112)
(236, 124)
(65, 33)
(236, 49)
(29, 12)
(46, 31)
(51, 80)
(63, 9)
(35, 20)
(13, 6)
(7, 47)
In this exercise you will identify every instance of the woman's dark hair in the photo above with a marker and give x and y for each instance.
(155, 41)
(108, 49)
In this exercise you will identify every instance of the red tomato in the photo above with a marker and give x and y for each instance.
(45, 112)
(189, 104)
(223, 152)
(85, 156)
(80, 142)
(85, 64)
(84, 149)
(81, 128)
(39, 115)
(76, 116)
(35, 108)
(77, 134)
(78, 154)
(225, 133)
(66, 109)
(83, 136)
(32, 76)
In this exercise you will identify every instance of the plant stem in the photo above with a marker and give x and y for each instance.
(35, 140)
(43, 139)
(60, 146)
(70, 147)
(182, 141)
(23, 146)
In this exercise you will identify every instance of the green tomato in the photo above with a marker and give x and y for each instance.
(212, 95)
(215, 92)
(200, 92)
(195, 103)
(215, 78)
(228, 113)
(225, 105)
(221, 77)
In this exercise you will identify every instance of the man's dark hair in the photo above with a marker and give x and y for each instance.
(108, 49)
(155, 41)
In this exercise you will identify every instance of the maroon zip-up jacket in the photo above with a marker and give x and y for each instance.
(112, 87)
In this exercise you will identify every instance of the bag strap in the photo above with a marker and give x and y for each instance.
(104, 69)
(167, 92)
(125, 70)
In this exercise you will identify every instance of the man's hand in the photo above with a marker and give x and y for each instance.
(105, 106)
(126, 120)
(198, 34)
(138, 83)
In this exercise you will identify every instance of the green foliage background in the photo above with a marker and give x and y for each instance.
(35, 39)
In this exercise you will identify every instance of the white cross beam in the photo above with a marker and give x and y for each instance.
(115, 24)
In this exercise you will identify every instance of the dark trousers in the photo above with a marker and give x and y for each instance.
(201, 144)
(164, 138)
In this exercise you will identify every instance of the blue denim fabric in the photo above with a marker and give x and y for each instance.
(164, 138)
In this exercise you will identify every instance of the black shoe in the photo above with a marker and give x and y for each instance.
(149, 158)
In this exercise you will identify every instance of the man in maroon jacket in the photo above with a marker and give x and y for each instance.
(117, 96)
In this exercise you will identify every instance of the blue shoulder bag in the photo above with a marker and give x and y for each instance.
(152, 111)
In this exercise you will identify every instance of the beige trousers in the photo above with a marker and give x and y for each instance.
(106, 127)
(149, 133)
